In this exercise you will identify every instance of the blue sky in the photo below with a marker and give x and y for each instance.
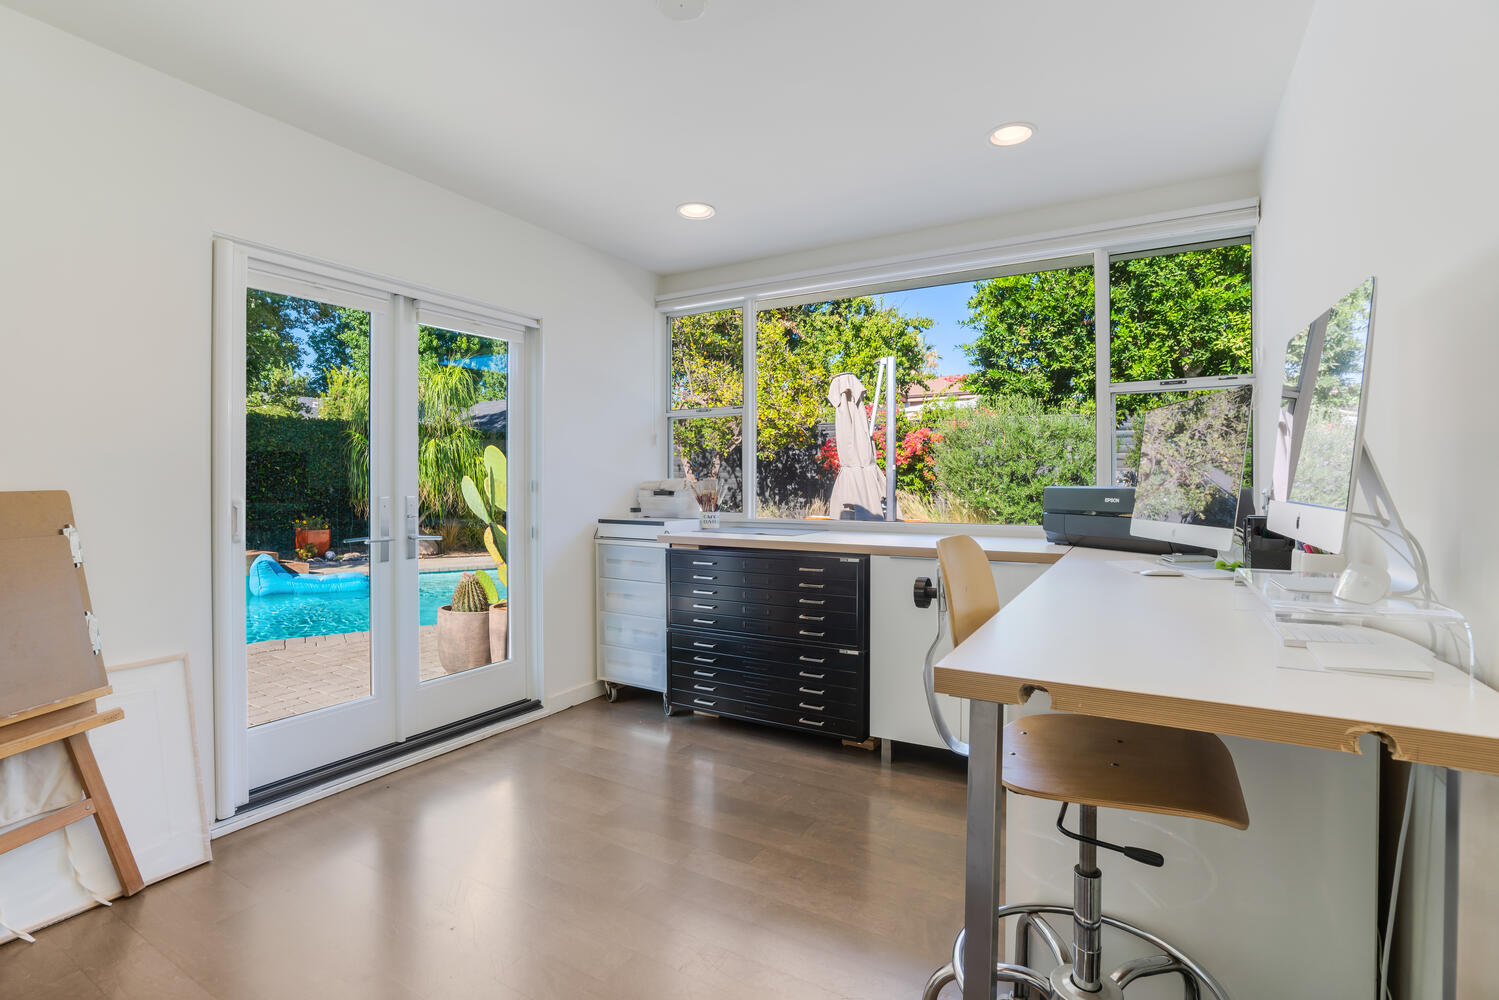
(947, 307)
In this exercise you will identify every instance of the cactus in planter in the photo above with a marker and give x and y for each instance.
(468, 595)
(489, 501)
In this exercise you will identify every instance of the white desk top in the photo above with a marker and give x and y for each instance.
(1196, 654)
(887, 543)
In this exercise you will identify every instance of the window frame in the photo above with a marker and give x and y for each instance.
(1231, 225)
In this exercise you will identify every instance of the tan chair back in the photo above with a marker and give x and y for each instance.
(971, 596)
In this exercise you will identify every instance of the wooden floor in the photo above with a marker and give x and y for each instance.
(605, 853)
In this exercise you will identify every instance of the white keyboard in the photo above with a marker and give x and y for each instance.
(1301, 633)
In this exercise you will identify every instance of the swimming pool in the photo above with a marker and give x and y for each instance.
(290, 616)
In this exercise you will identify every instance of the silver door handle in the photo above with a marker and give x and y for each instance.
(366, 540)
(423, 538)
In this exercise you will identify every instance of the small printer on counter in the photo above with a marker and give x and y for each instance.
(1095, 516)
(667, 498)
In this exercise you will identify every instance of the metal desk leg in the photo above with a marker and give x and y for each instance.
(984, 869)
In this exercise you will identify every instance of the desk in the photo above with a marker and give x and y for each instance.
(1179, 652)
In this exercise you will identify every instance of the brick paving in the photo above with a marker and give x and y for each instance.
(291, 676)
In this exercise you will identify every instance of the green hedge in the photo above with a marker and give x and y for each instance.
(997, 458)
(295, 466)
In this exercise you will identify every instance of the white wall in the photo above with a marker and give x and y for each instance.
(112, 181)
(1382, 162)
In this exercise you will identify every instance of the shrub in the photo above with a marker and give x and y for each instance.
(996, 459)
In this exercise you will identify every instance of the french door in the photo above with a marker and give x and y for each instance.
(372, 487)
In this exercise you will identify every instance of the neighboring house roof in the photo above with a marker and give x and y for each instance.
(948, 388)
(490, 416)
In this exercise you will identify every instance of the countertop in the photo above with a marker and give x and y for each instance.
(880, 543)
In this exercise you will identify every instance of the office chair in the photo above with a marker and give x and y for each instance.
(1091, 763)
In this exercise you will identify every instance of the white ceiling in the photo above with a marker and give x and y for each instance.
(806, 122)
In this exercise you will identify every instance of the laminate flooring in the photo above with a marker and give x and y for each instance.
(604, 853)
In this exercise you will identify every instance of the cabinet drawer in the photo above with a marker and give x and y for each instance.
(797, 656)
(634, 667)
(744, 675)
(789, 718)
(632, 632)
(809, 705)
(819, 632)
(632, 597)
(794, 598)
(812, 617)
(632, 562)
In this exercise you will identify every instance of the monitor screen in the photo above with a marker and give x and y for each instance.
(1192, 457)
(1324, 433)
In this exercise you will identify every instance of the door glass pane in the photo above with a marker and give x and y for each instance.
(307, 473)
(463, 402)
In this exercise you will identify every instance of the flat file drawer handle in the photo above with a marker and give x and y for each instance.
(710, 688)
(701, 701)
(699, 576)
(815, 635)
(811, 618)
(809, 569)
(808, 600)
(705, 607)
(705, 645)
(811, 708)
(705, 621)
(705, 659)
(810, 677)
(812, 659)
(809, 722)
(810, 691)
(703, 562)
(812, 586)
(710, 674)
(704, 593)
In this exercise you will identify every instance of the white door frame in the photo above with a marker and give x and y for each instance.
(234, 261)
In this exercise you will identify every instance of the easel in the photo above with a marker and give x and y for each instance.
(50, 670)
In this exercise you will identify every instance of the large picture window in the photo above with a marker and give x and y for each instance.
(1004, 383)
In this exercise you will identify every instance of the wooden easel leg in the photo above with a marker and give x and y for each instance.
(110, 829)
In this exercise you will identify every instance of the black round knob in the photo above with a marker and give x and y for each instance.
(924, 592)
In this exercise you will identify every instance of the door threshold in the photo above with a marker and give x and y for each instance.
(309, 786)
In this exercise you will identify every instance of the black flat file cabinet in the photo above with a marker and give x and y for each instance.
(768, 636)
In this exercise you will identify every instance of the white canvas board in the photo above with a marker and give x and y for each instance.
(150, 766)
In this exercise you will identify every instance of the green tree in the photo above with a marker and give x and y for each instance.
(1180, 315)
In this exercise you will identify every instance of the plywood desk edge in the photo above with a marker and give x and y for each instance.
(1464, 752)
(881, 547)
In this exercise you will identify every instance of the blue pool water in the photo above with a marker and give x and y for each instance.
(289, 616)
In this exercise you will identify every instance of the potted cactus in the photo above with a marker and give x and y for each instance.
(463, 627)
(488, 499)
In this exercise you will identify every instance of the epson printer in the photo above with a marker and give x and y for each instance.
(1095, 516)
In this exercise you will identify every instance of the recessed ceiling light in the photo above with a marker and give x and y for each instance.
(1012, 134)
(696, 210)
(681, 10)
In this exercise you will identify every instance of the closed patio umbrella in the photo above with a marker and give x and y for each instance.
(860, 481)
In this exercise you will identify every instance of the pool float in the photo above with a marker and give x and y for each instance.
(267, 577)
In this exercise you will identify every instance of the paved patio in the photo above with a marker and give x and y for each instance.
(290, 676)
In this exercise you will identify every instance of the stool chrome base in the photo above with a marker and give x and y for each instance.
(1058, 985)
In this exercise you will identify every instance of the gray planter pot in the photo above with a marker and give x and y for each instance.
(462, 639)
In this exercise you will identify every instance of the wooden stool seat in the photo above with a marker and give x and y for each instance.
(1123, 765)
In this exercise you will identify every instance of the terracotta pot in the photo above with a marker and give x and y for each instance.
(462, 639)
(319, 538)
(499, 632)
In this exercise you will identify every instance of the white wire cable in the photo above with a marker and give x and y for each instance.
(1389, 926)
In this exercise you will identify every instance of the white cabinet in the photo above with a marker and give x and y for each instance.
(631, 609)
(899, 634)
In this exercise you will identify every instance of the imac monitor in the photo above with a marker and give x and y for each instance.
(1320, 434)
(1192, 456)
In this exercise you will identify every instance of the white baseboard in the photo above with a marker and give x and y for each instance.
(560, 700)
